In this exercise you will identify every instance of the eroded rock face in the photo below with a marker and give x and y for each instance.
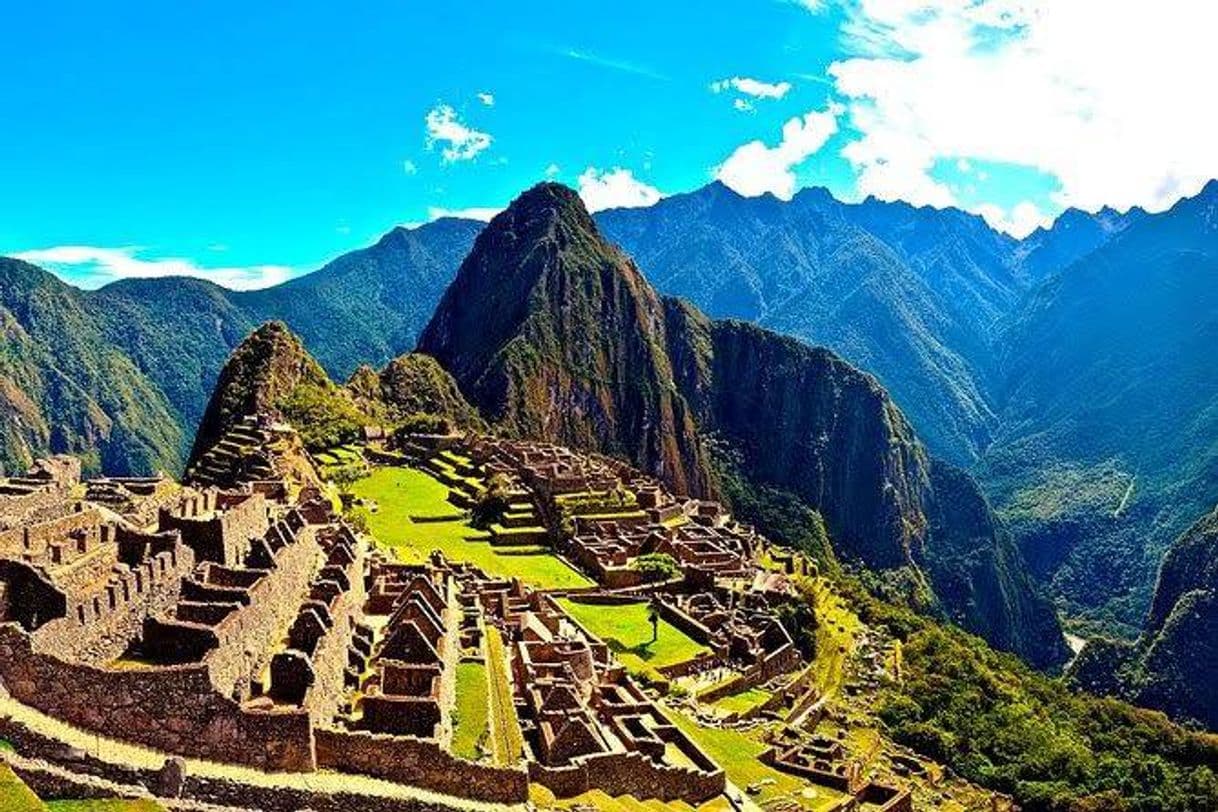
(556, 335)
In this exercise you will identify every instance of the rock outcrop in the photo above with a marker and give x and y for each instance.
(260, 375)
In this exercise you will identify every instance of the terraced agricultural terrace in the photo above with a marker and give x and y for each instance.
(511, 623)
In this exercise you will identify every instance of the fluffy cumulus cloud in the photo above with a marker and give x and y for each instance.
(756, 168)
(93, 266)
(1106, 98)
(457, 141)
(615, 188)
(487, 98)
(752, 87)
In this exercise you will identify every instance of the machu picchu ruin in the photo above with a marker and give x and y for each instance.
(259, 620)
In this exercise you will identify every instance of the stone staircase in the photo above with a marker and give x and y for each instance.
(240, 456)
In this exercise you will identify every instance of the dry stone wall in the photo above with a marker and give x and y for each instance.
(419, 762)
(174, 709)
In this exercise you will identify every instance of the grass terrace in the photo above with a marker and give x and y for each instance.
(744, 701)
(507, 742)
(627, 631)
(15, 796)
(413, 517)
(738, 753)
(472, 712)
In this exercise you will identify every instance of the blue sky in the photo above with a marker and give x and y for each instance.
(250, 141)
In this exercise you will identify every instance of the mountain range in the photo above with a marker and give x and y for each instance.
(553, 333)
(1066, 372)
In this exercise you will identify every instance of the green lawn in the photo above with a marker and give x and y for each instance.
(737, 753)
(744, 701)
(402, 493)
(507, 742)
(627, 631)
(15, 796)
(472, 709)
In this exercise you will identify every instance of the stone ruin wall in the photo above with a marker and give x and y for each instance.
(173, 709)
(98, 628)
(248, 635)
(329, 661)
(630, 774)
(419, 762)
(224, 536)
(32, 541)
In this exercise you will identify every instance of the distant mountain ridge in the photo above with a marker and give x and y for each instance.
(125, 371)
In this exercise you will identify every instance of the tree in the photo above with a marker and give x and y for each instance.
(656, 567)
(653, 616)
(346, 476)
(493, 504)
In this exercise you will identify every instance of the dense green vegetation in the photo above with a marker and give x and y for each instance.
(1001, 724)
(787, 519)
(64, 387)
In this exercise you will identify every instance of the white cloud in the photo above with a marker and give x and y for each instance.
(92, 266)
(462, 143)
(1107, 98)
(487, 98)
(752, 87)
(483, 213)
(1020, 221)
(552, 170)
(743, 105)
(409, 167)
(754, 168)
(615, 188)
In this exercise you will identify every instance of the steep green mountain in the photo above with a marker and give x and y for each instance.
(270, 372)
(410, 385)
(553, 333)
(1171, 666)
(267, 371)
(177, 331)
(122, 375)
(65, 387)
(368, 306)
(1107, 449)
(912, 295)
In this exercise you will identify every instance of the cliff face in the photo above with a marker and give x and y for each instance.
(1178, 655)
(555, 334)
(802, 420)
